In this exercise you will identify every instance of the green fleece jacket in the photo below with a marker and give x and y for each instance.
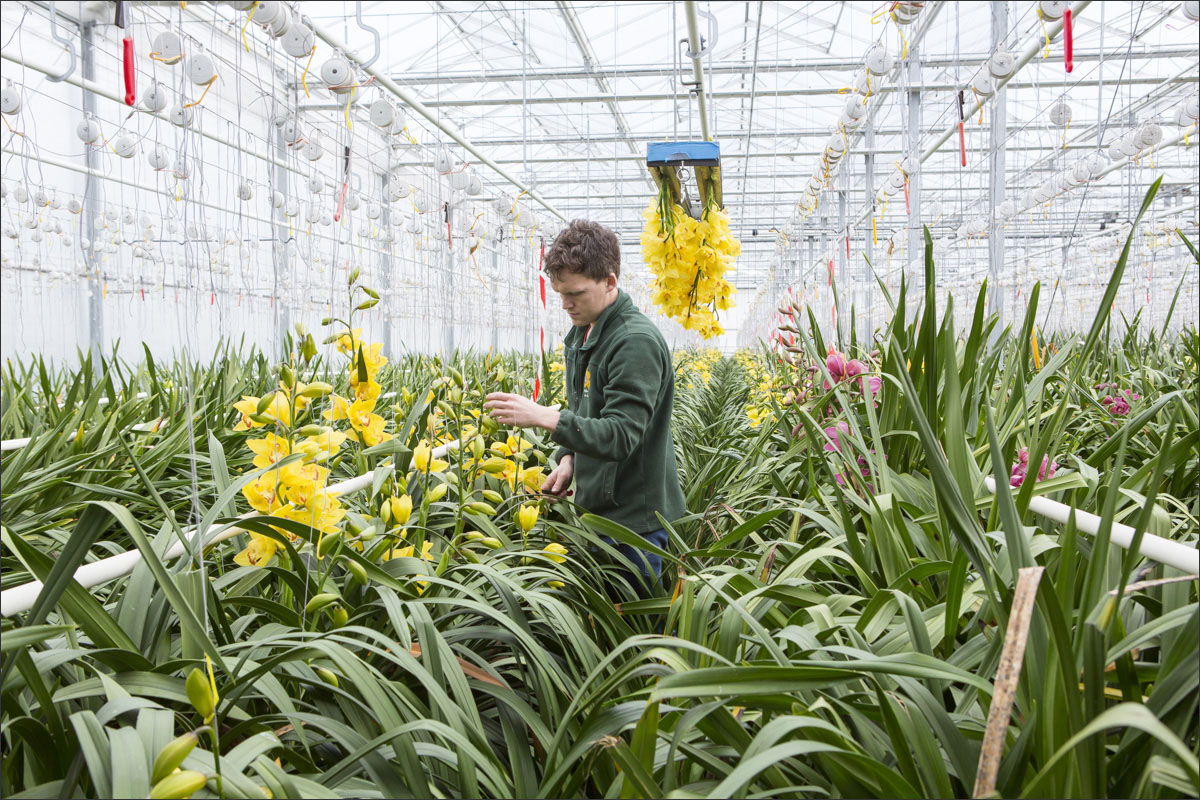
(620, 387)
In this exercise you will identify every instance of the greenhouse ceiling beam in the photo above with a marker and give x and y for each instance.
(732, 94)
(739, 68)
(590, 63)
(445, 126)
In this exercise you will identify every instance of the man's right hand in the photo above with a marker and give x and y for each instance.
(559, 479)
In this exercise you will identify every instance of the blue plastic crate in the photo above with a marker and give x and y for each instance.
(680, 154)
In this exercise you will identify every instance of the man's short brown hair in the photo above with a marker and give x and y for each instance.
(585, 248)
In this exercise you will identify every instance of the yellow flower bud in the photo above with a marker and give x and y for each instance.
(555, 552)
(180, 785)
(171, 756)
(320, 601)
(200, 695)
(527, 517)
(401, 508)
(438, 492)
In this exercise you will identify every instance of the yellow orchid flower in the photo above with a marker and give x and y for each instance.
(366, 393)
(340, 409)
(323, 513)
(246, 406)
(258, 552)
(325, 445)
(555, 552)
(367, 425)
(347, 343)
(410, 552)
(423, 460)
(279, 409)
(261, 492)
(531, 479)
(269, 450)
(303, 482)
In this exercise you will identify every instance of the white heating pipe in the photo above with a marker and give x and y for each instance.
(21, 598)
(1155, 548)
(152, 426)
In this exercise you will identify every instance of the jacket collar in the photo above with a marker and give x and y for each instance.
(615, 309)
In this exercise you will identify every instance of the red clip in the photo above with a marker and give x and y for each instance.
(130, 72)
(143, 290)
(1068, 42)
(906, 208)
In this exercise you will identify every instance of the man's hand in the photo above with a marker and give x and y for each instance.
(520, 411)
(557, 481)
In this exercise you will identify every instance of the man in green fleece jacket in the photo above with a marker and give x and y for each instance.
(615, 433)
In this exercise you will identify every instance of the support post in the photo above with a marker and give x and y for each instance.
(996, 167)
(90, 206)
(912, 145)
(867, 291)
(385, 267)
(279, 243)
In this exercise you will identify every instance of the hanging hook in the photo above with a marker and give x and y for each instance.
(373, 31)
(63, 40)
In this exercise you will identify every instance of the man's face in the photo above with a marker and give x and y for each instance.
(583, 298)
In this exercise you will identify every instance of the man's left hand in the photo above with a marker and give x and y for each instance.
(520, 411)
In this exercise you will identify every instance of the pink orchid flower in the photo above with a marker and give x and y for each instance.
(1021, 468)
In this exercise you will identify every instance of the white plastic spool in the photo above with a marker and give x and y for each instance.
(200, 69)
(475, 185)
(983, 85)
(244, 191)
(1191, 10)
(855, 108)
(337, 75)
(354, 202)
(88, 130)
(459, 179)
(159, 158)
(373, 211)
(182, 169)
(74, 206)
(878, 60)
(291, 208)
(381, 113)
(168, 47)
(10, 101)
(1060, 113)
(443, 162)
(1001, 64)
(315, 183)
(1052, 10)
(156, 98)
(897, 180)
(1150, 135)
(277, 200)
(125, 145)
(298, 41)
(292, 131)
(180, 116)
(314, 148)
